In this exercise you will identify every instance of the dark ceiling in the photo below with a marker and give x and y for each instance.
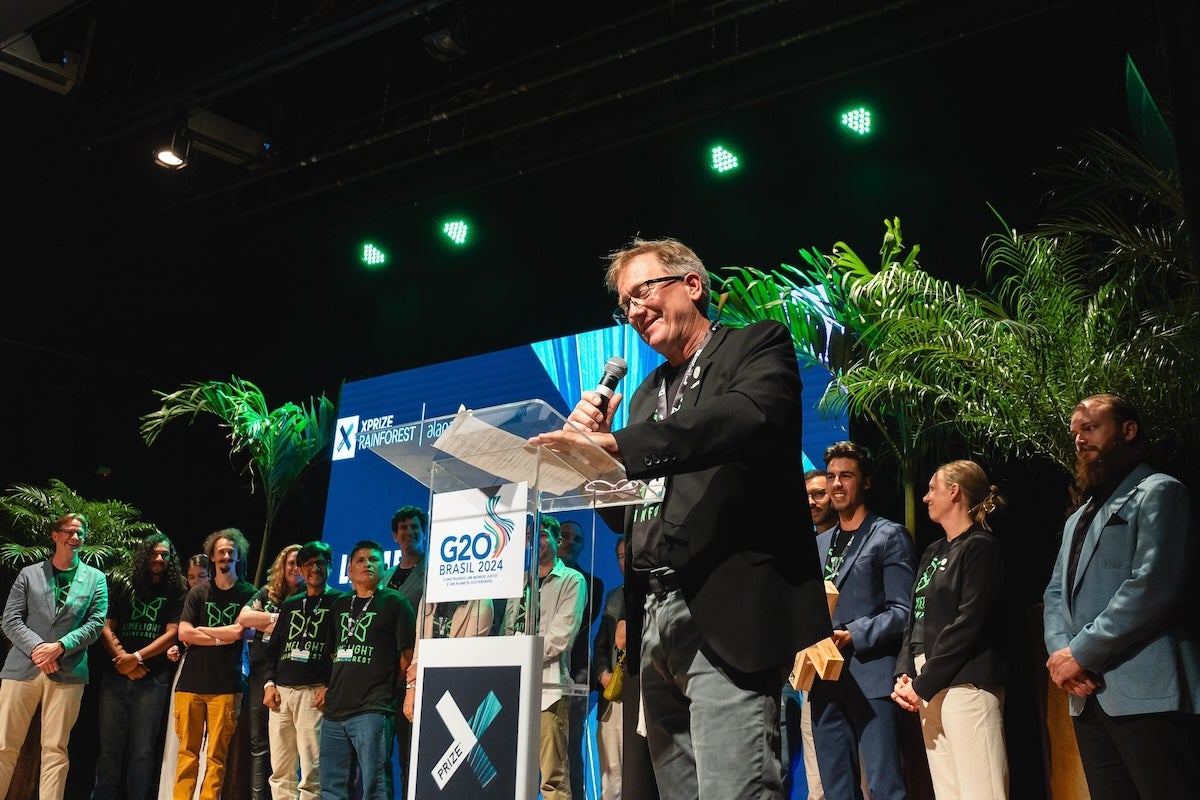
(562, 129)
(548, 109)
(362, 117)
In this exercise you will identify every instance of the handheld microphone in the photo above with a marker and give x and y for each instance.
(614, 369)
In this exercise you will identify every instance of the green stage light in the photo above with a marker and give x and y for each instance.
(857, 120)
(456, 230)
(723, 160)
(372, 256)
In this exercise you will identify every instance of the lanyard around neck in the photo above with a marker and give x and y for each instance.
(662, 410)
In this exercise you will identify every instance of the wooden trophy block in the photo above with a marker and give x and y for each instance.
(822, 660)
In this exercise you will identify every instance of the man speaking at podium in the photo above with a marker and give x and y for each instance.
(721, 595)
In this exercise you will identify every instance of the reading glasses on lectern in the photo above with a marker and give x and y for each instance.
(640, 295)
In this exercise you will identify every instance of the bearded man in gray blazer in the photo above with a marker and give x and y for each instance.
(1119, 618)
(55, 610)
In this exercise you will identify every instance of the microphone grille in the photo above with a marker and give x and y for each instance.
(617, 366)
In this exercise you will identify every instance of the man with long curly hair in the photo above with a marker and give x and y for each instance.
(143, 620)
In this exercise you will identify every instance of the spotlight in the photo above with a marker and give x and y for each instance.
(443, 45)
(857, 120)
(207, 132)
(723, 159)
(174, 156)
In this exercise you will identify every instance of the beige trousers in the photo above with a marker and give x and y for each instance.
(60, 708)
(811, 774)
(608, 742)
(295, 735)
(963, 729)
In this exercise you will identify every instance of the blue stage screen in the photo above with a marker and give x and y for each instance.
(365, 490)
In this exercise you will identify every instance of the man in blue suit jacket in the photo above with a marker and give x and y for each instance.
(871, 562)
(55, 610)
(1120, 639)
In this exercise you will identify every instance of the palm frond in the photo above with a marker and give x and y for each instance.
(114, 528)
(278, 445)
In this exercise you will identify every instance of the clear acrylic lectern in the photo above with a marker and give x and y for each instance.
(479, 687)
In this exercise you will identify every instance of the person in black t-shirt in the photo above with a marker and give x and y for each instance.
(196, 572)
(371, 644)
(143, 620)
(295, 669)
(208, 695)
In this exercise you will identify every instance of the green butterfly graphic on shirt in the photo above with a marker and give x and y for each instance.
(301, 627)
(147, 611)
(218, 616)
(356, 628)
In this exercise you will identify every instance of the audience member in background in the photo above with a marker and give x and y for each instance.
(570, 548)
(609, 649)
(143, 621)
(295, 668)
(950, 669)
(409, 528)
(1120, 624)
(283, 581)
(199, 570)
(55, 610)
(197, 574)
(870, 560)
(208, 694)
(371, 643)
(797, 711)
(561, 600)
(446, 620)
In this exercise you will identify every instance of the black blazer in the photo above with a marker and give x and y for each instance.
(738, 534)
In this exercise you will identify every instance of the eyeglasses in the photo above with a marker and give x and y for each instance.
(640, 295)
(314, 564)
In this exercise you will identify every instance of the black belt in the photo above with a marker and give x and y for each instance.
(662, 581)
